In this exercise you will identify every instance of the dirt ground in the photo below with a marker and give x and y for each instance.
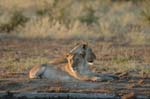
(17, 81)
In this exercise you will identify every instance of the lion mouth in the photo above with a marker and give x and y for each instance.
(90, 63)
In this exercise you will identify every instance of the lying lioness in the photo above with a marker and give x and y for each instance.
(65, 72)
(76, 67)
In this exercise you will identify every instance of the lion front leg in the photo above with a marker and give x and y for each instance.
(95, 78)
(111, 76)
(86, 77)
(102, 77)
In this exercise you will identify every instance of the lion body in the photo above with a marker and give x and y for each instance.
(64, 72)
(74, 66)
(49, 72)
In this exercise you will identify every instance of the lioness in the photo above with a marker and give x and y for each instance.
(65, 72)
(90, 55)
(72, 66)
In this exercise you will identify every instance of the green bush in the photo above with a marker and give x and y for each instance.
(146, 11)
(89, 17)
(17, 19)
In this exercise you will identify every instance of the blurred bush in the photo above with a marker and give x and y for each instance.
(119, 21)
(146, 11)
(16, 19)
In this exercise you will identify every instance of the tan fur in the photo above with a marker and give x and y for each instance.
(36, 70)
(57, 61)
(67, 71)
(90, 55)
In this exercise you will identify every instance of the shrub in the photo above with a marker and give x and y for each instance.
(17, 19)
(145, 11)
(89, 16)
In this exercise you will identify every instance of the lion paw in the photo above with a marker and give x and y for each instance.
(93, 79)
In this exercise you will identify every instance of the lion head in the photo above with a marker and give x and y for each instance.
(84, 48)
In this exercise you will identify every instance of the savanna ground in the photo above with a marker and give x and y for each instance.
(34, 32)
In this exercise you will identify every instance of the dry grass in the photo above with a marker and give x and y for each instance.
(123, 22)
(21, 56)
(131, 60)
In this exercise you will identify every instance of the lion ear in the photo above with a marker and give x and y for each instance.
(84, 46)
(67, 55)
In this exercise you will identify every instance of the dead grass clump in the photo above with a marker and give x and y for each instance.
(120, 22)
(137, 38)
(145, 11)
(38, 27)
(16, 20)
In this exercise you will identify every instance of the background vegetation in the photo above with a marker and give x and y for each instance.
(118, 21)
